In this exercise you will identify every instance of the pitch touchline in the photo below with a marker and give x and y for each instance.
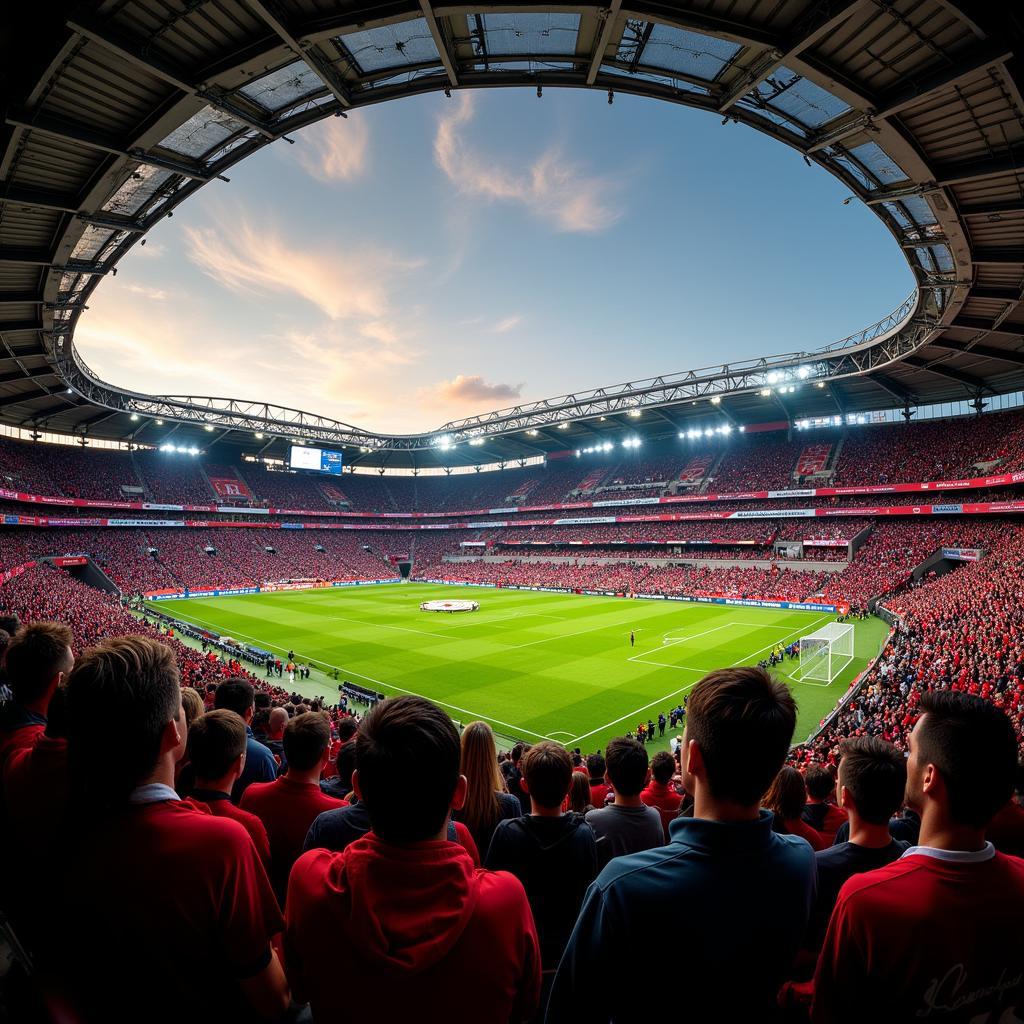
(393, 686)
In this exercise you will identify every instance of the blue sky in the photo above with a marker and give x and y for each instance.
(432, 258)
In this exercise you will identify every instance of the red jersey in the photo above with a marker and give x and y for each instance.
(598, 791)
(169, 909)
(220, 805)
(926, 937)
(287, 809)
(19, 738)
(661, 795)
(419, 926)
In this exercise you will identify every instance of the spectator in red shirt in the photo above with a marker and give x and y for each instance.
(37, 660)
(819, 812)
(659, 792)
(155, 885)
(599, 787)
(290, 804)
(427, 931)
(786, 799)
(216, 747)
(937, 933)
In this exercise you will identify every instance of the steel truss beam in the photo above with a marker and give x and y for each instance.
(986, 351)
(131, 50)
(820, 20)
(967, 379)
(275, 19)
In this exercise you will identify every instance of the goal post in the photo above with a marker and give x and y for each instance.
(826, 652)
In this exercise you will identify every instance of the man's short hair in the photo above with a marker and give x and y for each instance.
(820, 782)
(875, 774)
(34, 656)
(547, 768)
(743, 722)
(235, 695)
(397, 736)
(306, 739)
(972, 743)
(120, 697)
(347, 728)
(663, 766)
(626, 765)
(596, 766)
(215, 741)
(10, 623)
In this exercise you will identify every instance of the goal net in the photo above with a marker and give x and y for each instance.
(826, 652)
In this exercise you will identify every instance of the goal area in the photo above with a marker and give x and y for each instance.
(825, 652)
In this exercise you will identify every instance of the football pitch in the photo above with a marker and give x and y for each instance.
(534, 665)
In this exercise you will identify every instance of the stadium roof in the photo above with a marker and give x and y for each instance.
(119, 110)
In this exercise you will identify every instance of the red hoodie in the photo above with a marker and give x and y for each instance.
(423, 930)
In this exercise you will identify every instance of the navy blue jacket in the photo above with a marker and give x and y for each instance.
(726, 902)
(260, 766)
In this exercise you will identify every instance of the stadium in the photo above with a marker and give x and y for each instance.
(282, 693)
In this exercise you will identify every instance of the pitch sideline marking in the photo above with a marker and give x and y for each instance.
(393, 686)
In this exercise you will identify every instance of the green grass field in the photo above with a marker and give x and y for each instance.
(533, 665)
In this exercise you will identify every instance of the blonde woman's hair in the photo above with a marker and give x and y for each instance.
(483, 776)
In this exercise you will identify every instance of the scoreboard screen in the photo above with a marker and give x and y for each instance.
(320, 460)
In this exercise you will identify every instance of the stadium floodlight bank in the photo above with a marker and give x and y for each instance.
(826, 652)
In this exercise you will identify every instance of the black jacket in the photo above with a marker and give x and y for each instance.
(556, 860)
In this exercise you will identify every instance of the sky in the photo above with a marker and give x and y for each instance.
(431, 258)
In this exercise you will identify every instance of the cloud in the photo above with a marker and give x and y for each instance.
(255, 259)
(156, 294)
(335, 149)
(552, 187)
(474, 389)
(507, 324)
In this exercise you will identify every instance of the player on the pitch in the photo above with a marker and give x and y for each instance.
(632, 639)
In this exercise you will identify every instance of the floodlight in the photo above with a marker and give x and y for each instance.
(159, 423)
(709, 432)
(476, 441)
(208, 427)
(765, 392)
(820, 384)
(803, 372)
(773, 377)
(716, 399)
(258, 436)
(134, 417)
(532, 433)
(727, 429)
(635, 413)
(563, 426)
(193, 451)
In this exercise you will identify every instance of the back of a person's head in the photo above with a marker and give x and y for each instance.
(875, 775)
(235, 695)
(972, 744)
(626, 764)
(579, 792)
(261, 700)
(9, 623)
(663, 766)
(306, 739)
(34, 656)
(347, 761)
(193, 704)
(215, 742)
(743, 722)
(397, 735)
(820, 782)
(787, 794)
(479, 763)
(120, 698)
(596, 766)
(347, 728)
(547, 768)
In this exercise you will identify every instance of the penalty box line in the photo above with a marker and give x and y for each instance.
(380, 682)
(682, 689)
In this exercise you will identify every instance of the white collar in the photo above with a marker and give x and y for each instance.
(152, 793)
(987, 852)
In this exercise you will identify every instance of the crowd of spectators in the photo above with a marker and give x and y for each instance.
(960, 631)
(206, 889)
